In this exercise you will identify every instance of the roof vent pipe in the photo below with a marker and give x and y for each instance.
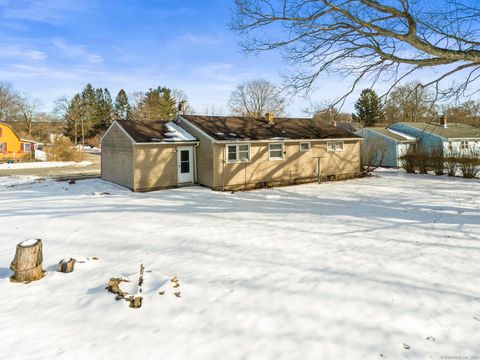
(443, 121)
(270, 118)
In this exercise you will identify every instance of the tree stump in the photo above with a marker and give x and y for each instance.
(66, 265)
(27, 264)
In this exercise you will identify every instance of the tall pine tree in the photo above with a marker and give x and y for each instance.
(123, 111)
(103, 115)
(369, 110)
(73, 117)
(157, 104)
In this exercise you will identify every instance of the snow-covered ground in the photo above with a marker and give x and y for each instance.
(42, 164)
(384, 267)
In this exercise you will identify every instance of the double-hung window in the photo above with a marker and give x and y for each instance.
(275, 151)
(238, 153)
(335, 146)
(27, 147)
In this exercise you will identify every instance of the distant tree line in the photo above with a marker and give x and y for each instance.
(405, 103)
(89, 113)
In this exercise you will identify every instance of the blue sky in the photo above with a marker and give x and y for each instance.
(51, 48)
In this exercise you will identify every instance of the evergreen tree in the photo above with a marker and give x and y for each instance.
(369, 109)
(88, 119)
(157, 104)
(123, 110)
(103, 115)
(73, 117)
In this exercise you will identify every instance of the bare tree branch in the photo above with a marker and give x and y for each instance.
(371, 40)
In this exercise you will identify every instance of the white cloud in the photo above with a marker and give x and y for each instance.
(21, 53)
(80, 52)
(48, 11)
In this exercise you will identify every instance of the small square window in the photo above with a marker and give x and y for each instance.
(305, 146)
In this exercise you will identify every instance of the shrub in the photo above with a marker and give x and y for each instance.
(469, 164)
(437, 161)
(409, 162)
(451, 163)
(422, 159)
(62, 149)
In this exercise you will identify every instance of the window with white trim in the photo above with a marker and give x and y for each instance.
(238, 153)
(27, 147)
(305, 146)
(276, 151)
(335, 146)
(464, 145)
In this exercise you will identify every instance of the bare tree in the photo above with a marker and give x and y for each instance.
(8, 102)
(375, 152)
(467, 113)
(410, 103)
(256, 98)
(329, 115)
(184, 106)
(369, 39)
(28, 110)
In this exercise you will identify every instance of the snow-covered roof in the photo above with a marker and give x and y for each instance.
(177, 133)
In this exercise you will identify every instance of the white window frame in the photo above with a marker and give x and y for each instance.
(275, 158)
(332, 146)
(464, 145)
(309, 146)
(25, 147)
(237, 154)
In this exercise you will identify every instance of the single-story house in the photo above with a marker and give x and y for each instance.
(385, 146)
(12, 147)
(226, 153)
(448, 137)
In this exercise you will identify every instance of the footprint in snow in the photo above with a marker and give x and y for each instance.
(406, 346)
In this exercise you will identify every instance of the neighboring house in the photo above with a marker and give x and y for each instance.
(453, 137)
(384, 146)
(12, 147)
(226, 153)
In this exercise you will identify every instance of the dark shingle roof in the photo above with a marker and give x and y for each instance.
(155, 131)
(453, 130)
(245, 128)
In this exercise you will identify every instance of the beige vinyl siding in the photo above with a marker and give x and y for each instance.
(155, 167)
(297, 165)
(117, 157)
(204, 155)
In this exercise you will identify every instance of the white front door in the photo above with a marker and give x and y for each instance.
(185, 164)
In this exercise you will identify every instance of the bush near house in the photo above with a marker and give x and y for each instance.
(465, 162)
(62, 149)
